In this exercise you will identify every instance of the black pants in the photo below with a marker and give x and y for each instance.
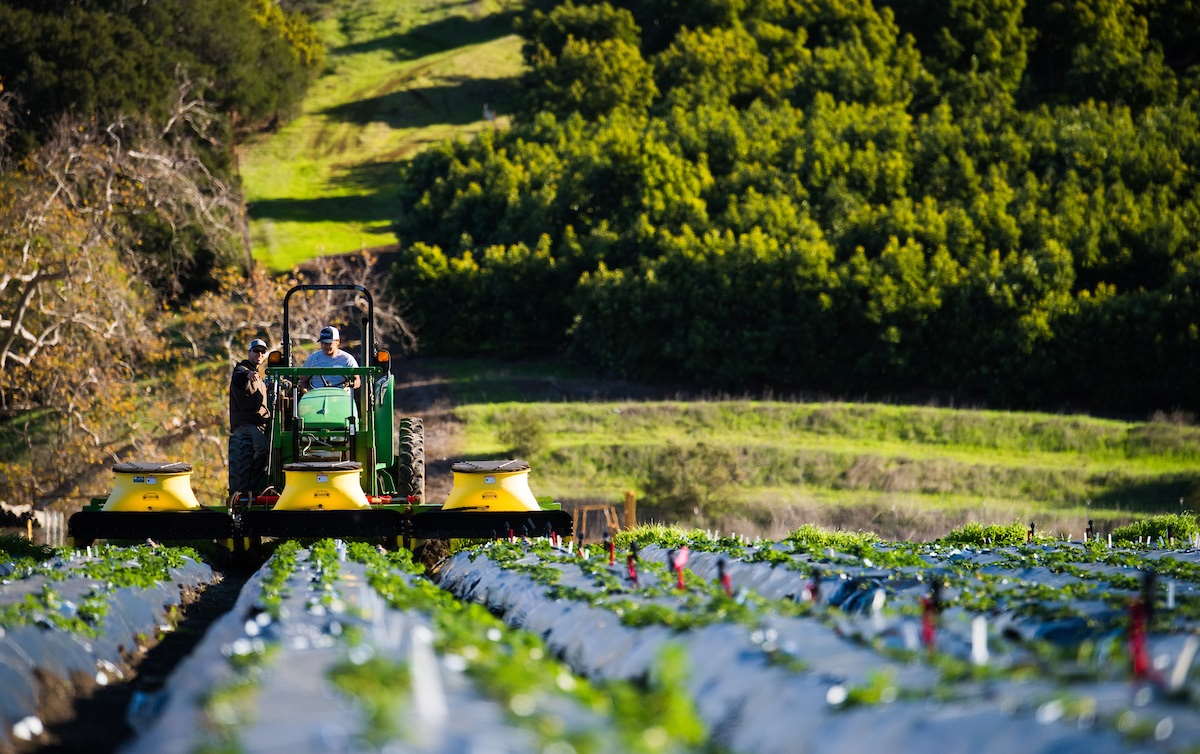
(248, 459)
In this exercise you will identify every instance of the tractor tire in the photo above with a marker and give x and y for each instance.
(411, 459)
(242, 472)
(430, 554)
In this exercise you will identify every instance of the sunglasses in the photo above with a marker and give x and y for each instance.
(260, 350)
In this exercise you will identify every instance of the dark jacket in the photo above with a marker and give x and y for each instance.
(247, 397)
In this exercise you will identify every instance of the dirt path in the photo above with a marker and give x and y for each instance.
(419, 392)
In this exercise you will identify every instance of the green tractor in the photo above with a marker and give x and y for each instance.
(339, 465)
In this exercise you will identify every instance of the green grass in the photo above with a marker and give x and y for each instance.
(399, 76)
(844, 453)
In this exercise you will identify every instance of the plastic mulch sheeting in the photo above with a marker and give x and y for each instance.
(752, 704)
(292, 705)
(40, 647)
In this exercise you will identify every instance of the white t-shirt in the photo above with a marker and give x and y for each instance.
(318, 359)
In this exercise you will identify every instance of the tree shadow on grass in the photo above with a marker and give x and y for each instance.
(456, 103)
(438, 36)
(363, 208)
(1158, 495)
(369, 176)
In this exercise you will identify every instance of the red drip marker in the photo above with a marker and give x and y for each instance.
(631, 563)
(726, 582)
(680, 559)
(1141, 612)
(812, 591)
(931, 606)
(612, 550)
(1137, 640)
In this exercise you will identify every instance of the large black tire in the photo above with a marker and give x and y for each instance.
(411, 458)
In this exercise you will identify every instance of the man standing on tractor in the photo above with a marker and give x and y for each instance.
(331, 356)
(249, 417)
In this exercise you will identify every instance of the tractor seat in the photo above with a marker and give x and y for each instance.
(151, 467)
(490, 467)
(323, 466)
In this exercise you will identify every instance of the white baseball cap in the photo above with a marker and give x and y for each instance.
(258, 343)
(329, 334)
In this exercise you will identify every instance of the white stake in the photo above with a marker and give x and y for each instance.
(1171, 595)
(1110, 541)
(428, 695)
(979, 647)
(1183, 663)
(910, 636)
(877, 601)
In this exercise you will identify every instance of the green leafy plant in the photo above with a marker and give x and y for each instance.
(693, 482)
(523, 431)
(1178, 526)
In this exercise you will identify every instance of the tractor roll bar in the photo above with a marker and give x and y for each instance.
(368, 330)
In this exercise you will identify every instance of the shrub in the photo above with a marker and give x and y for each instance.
(16, 546)
(524, 432)
(986, 534)
(1166, 526)
(692, 481)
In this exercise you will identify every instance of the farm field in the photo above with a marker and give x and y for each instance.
(670, 641)
(399, 76)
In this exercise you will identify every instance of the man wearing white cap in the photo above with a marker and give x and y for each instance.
(249, 417)
(331, 356)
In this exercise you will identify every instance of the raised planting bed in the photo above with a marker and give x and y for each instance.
(1021, 637)
(344, 648)
(76, 620)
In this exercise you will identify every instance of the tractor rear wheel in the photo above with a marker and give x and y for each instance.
(411, 453)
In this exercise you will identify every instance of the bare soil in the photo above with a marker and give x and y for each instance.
(424, 394)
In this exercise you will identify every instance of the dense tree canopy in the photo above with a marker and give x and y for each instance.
(123, 57)
(979, 197)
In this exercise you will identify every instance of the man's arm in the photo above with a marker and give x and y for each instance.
(245, 380)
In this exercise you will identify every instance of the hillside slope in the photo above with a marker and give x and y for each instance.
(907, 472)
(399, 76)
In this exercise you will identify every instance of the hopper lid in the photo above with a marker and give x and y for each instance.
(490, 467)
(323, 466)
(151, 467)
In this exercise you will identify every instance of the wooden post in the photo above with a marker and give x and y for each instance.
(630, 509)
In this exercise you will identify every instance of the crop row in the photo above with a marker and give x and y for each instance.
(343, 647)
(75, 621)
(831, 621)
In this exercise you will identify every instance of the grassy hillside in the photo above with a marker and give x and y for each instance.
(400, 75)
(854, 464)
